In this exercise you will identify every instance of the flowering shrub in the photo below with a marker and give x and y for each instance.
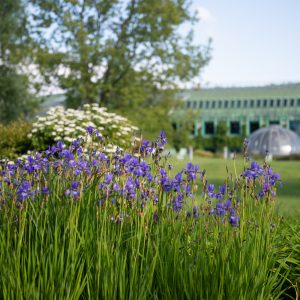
(70, 124)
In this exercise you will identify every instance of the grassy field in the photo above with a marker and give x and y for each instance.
(288, 195)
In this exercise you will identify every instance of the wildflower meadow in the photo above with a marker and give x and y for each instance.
(80, 222)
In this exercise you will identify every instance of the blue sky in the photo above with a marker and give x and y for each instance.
(255, 42)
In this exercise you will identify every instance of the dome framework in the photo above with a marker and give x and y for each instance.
(274, 140)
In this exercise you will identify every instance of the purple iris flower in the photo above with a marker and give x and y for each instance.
(138, 171)
(189, 166)
(192, 175)
(222, 189)
(149, 177)
(77, 172)
(82, 164)
(275, 176)
(22, 195)
(29, 169)
(102, 156)
(167, 186)
(30, 159)
(137, 183)
(196, 212)
(188, 190)
(220, 211)
(163, 138)
(11, 167)
(72, 163)
(176, 186)
(265, 187)
(108, 178)
(210, 190)
(255, 166)
(145, 167)
(227, 204)
(68, 154)
(178, 177)
(163, 172)
(25, 185)
(95, 163)
(178, 202)
(116, 187)
(60, 145)
(53, 150)
(75, 194)
(234, 220)
(90, 129)
(74, 185)
(129, 185)
(76, 143)
(219, 196)
(45, 190)
(219, 205)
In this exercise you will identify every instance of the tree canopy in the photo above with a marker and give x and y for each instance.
(15, 49)
(13, 38)
(126, 55)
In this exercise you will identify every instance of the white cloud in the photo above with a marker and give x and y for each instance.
(204, 14)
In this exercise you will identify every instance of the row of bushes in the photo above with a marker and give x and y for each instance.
(14, 140)
(220, 139)
(213, 144)
(18, 137)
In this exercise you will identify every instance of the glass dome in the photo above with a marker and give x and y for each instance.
(275, 140)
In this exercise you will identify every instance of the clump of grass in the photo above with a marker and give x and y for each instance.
(79, 223)
(288, 253)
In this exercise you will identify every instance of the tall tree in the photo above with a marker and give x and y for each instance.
(15, 45)
(13, 38)
(127, 55)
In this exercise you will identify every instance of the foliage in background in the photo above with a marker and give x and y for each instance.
(15, 50)
(221, 139)
(15, 101)
(14, 140)
(127, 55)
(70, 124)
(14, 40)
(183, 127)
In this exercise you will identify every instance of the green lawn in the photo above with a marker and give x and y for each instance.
(288, 196)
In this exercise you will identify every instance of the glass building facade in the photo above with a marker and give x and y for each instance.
(244, 109)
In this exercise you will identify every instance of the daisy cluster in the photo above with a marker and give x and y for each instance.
(61, 124)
